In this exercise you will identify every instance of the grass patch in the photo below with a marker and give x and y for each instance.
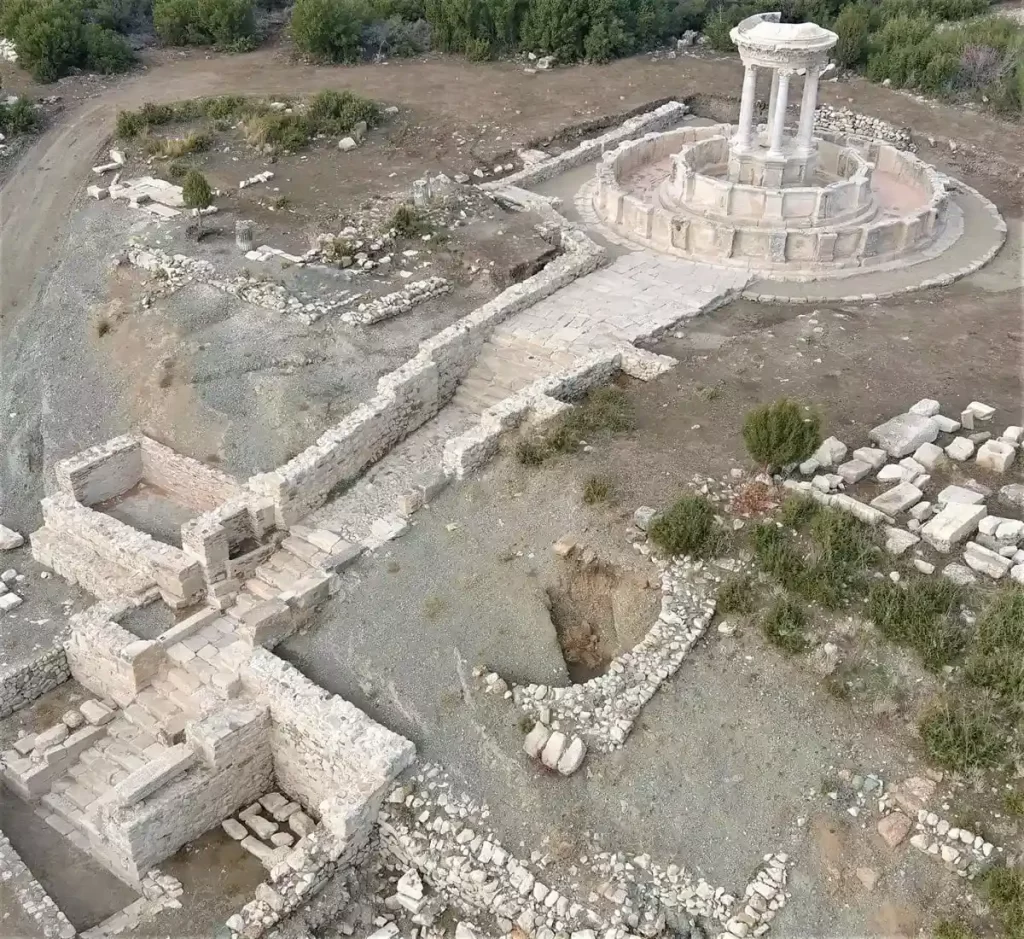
(433, 607)
(1013, 803)
(963, 735)
(922, 614)
(785, 626)
(603, 410)
(947, 929)
(736, 595)
(1004, 887)
(688, 527)
(829, 570)
(328, 112)
(172, 148)
(596, 489)
(798, 511)
(996, 659)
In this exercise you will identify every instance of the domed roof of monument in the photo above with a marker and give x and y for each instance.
(764, 31)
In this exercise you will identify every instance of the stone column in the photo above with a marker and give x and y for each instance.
(743, 131)
(778, 123)
(773, 99)
(807, 106)
(244, 230)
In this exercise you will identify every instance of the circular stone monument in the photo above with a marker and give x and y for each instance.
(786, 206)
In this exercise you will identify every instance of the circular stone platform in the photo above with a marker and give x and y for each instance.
(832, 216)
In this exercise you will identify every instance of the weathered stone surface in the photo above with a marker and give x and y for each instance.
(536, 739)
(573, 756)
(894, 828)
(955, 523)
(553, 749)
(898, 499)
(854, 471)
(996, 455)
(904, 433)
(898, 541)
(927, 407)
(961, 495)
(832, 452)
(960, 449)
(985, 561)
(1012, 495)
(9, 539)
(96, 712)
(234, 829)
(871, 455)
(929, 455)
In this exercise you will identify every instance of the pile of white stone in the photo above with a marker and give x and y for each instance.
(269, 828)
(957, 512)
(179, 269)
(263, 177)
(554, 749)
(845, 121)
(602, 711)
(9, 600)
(8, 52)
(396, 303)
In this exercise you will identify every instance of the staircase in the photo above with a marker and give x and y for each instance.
(506, 364)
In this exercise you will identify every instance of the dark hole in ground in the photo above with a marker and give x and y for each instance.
(599, 609)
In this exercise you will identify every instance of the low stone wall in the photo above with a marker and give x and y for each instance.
(412, 394)
(214, 538)
(20, 685)
(178, 577)
(225, 763)
(724, 241)
(34, 901)
(190, 482)
(107, 659)
(322, 745)
(101, 472)
(660, 118)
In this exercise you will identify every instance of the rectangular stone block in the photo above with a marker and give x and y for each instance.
(166, 767)
(955, 523)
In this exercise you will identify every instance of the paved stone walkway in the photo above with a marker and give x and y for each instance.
(636, 297)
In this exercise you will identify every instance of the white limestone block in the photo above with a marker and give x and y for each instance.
(898, 541)
(832, 452)
(960, 449)
(904, 433)
(960, 494)
(871, 455)
(1014, 435)
(929, 455)
(9, 539)
(927, 407)
(996, 455)
(853, 471)
(536, 740)
(981, 412)
(955, 523)
(985, 561)
(946, 424)
(898, 499)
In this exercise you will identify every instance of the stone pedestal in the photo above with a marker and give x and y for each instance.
(244, 233)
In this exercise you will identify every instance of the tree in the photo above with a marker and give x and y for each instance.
(328, 29)
(197, 194)
(852, 28)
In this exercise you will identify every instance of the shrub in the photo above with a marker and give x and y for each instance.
(11, 14)
(280, 130)
(227, 24)
(395, 37)
(195, 191)
(337, 112)
(171, 148)
(736, 595)
(922, 614)
(105, 51)
(785, 626)
(129, 125)
(963, 735)
(688, 527)
(777, 556)
(717, 28)
(48, 36)
(123, 16)
(781, 433)
(408, 221)
(798, 511)
(21, 117)
(852, 28)
(531, 452)
(329, 30)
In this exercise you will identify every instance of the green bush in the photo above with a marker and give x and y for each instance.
(49, 39)
(21, 117)
(852, 27)
(785, 626)
(123, 16)
(717, 28)
(688, 527)
(781, 433)
(596, 489)
(227, 24)
(195, 191)
(736, 595)
(1004, 888)
(408, 221)
(337, 112)
(106, 52)
(11, 14)
(328, 30)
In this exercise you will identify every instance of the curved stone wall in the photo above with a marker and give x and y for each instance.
(772, 242)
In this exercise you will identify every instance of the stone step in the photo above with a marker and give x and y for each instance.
(259, 590)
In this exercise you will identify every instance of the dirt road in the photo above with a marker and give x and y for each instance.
(35, 201)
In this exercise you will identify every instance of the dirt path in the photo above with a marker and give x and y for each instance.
(453, 94)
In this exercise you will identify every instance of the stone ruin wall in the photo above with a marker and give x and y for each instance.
(20, 685)
(323, 746)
